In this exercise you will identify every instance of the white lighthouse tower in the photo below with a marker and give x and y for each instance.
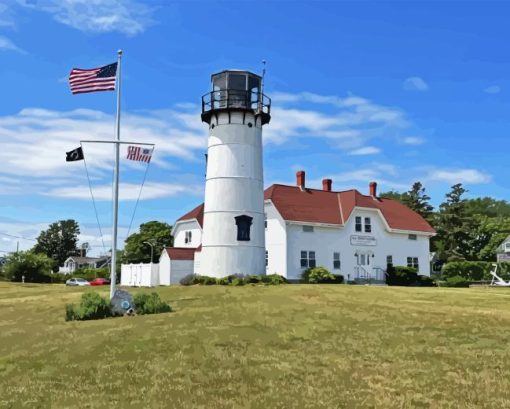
(233, 230)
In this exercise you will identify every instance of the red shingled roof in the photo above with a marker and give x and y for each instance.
(196, 213)
(319, 206)
(181, 253)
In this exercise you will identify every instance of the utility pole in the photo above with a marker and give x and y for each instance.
(152, 248)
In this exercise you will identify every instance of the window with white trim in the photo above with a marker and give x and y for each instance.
(507, 246)
(358, 227)
(336, 261)
(308, 229)
(413, 262)
(187, 236)
(389, 260)
(307, 259)
(412, 237)
(368, 225)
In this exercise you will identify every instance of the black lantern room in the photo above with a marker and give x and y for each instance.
(234, 90)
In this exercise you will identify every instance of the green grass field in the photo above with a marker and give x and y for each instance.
(293, 346)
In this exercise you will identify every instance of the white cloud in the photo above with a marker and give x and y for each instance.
(129, 17)
(415, 84)
(413, 140)
(493, 89)
(354, 119)
(35, 140)
(8, 45)
(366, 150)
(127, 191)
(454, 176)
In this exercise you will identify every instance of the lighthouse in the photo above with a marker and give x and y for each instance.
(233, 239)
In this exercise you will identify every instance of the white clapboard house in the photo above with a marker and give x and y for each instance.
(347, 232)
(503, 251)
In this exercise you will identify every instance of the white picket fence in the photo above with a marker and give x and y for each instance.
(139, 275)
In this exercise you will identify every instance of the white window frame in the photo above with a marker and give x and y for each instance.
(368, 225)
(308, 256)
(358, 224)
(337, 263)
(413, 262)
(307, 229)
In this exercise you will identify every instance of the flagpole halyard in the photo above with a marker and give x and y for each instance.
(113, 274)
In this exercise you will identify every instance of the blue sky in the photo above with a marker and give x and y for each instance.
(362, 91)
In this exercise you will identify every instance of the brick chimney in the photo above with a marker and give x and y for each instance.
(326, 185)
(300, 179)
(373, 189)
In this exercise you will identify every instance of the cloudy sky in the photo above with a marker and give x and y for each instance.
(391, 92)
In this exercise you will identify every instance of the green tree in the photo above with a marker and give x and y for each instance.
(488, 206)
(35, 267)
(59, 241)
(417, 200)
(453, 225)
(136, 249)
(393, 195)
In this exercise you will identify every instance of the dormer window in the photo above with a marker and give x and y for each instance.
(187, 237)
(507, 246)
(243, 224)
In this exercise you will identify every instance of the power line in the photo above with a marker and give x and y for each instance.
(18, 237)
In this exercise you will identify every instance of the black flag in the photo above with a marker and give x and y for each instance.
(75, 154)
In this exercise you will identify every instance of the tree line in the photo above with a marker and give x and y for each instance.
(60, 241)
(467, 229)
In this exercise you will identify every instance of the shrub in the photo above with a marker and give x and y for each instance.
(92, 307)
(150, 304)
(206, 280)
(34, 266)
(253, 279)
(189, 279)
(273, 279)
(425, 281)
(318, 275)
(233, 279)
(475, 270)
(89, 273)
(456, 281)
(400, 275)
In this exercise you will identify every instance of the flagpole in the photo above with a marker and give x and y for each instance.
(116, 184)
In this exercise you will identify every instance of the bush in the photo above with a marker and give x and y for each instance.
(233, 279)
(92, 307)
(35, 267)
(400, 275)
(425, 281)
(253, 279)
(273, 279)
(89, 273)
(150, 304)
(318, 275)
(475, 270)
(456, 281)
(189, 279)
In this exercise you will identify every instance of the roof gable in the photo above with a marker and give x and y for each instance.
(197, 213)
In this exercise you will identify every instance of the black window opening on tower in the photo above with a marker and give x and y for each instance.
(243, 224)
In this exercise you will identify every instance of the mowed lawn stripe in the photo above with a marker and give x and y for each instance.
(291, 346)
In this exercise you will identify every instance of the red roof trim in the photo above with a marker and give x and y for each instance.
(181, 253)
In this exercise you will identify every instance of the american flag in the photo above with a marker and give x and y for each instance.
(95, 79)
(139, 154)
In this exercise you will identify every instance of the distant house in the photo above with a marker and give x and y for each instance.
(503, 251)
(73, 263)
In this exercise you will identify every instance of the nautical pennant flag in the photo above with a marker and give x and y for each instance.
(75, 154)
(139, 154)
(92, 80)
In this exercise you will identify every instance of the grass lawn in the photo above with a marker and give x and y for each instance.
(292, 346)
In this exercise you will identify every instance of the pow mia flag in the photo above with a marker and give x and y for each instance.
(75, 154)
